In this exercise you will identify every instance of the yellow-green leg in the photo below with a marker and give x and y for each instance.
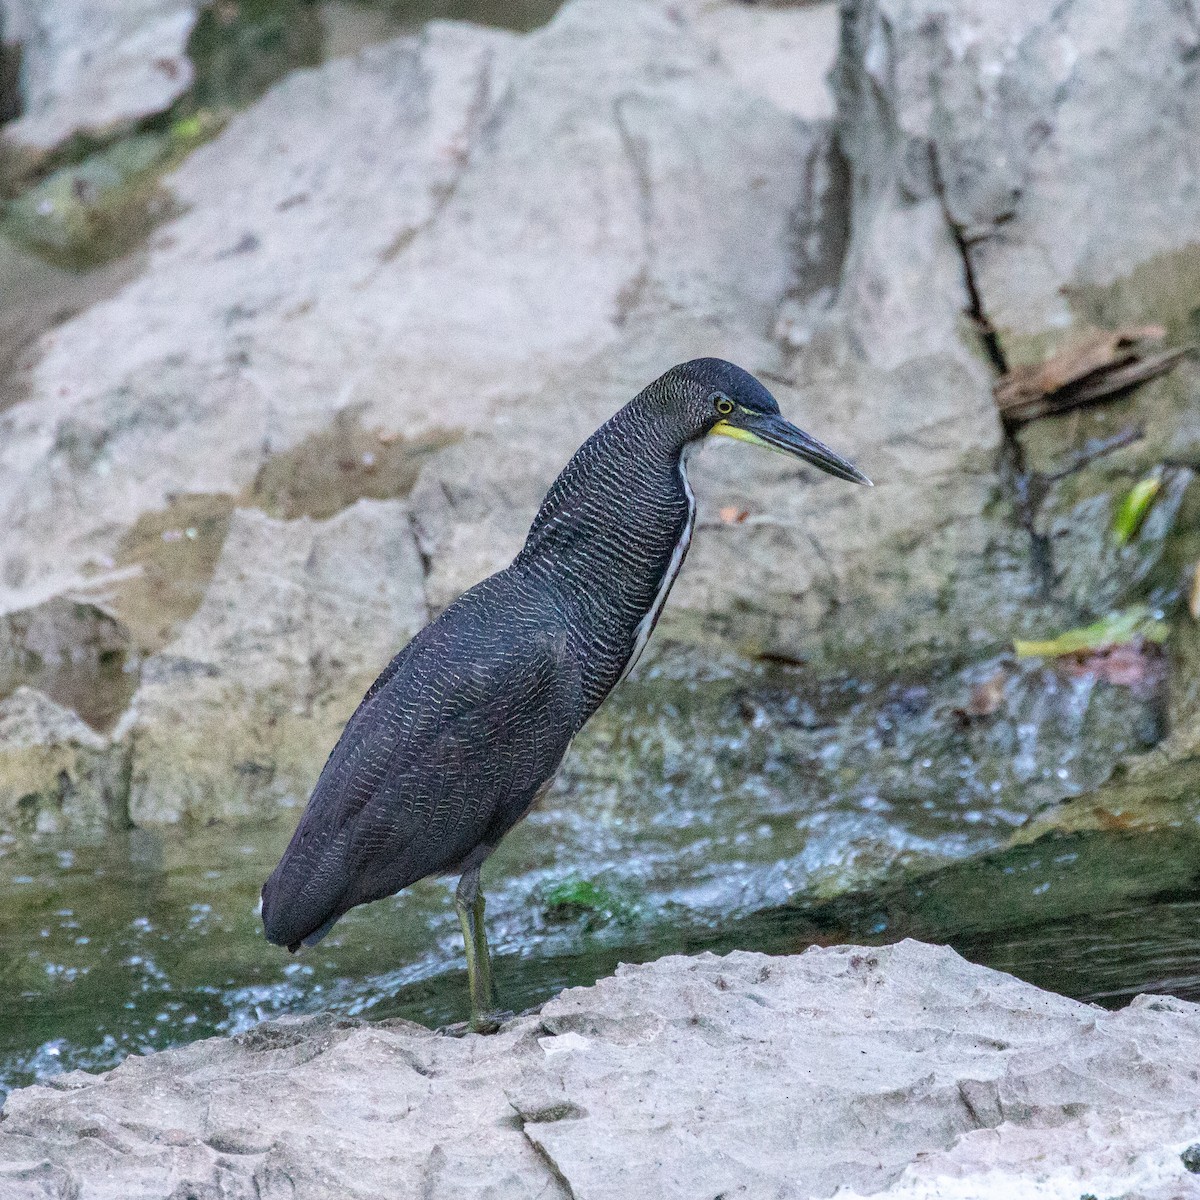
(469, 904)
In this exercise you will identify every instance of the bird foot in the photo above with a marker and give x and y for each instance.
(490, 1022)
(482, 1023)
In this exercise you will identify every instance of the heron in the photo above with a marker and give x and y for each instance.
(466, 727)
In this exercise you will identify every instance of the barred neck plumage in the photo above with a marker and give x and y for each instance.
(610, 537)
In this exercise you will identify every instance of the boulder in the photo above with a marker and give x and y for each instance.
(474, 246)
(93, 69)
(1060, 142)
(899, 1071)
(57, 774)
(1023, 132)
(462, 231)
(239, 712)
(782, 53)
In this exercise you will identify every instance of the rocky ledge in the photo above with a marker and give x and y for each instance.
(904, 1070)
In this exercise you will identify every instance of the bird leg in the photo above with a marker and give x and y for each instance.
(469, 904)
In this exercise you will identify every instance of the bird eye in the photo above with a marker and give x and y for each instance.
(722, 404)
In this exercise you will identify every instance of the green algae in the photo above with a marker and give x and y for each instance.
(94, 210)
(583, 900)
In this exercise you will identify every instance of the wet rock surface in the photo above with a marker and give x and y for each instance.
(57, 773)
(899, 1070)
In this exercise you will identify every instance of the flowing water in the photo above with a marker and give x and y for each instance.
(693, 816)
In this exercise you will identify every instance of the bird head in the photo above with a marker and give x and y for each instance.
(710, 395)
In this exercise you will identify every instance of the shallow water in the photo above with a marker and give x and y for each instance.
(142, 945)
(696, 816)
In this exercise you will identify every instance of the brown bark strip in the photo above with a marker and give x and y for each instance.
(1105, 364)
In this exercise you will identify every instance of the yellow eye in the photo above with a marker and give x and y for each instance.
(723, 405)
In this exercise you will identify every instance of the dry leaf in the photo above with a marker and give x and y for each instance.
(1101, 365)
(1138, 665)
(1194, 594)
(732, 515)
(986, 697)
(1117, 822)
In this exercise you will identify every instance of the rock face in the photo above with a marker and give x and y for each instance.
(299, 619)
(900, 1071)
(94, 68)
(1058, 207)
(1023, 118)
(56, 773)
(473, 246)
(453, 229)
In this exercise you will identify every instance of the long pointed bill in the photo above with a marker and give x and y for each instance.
(773, 432)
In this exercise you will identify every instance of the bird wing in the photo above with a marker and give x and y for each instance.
(445, 753)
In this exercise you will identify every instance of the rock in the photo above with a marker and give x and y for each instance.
(1013, 125)
(55, 635)
(896, 1070)
(56, 774)
(1019, 120)
(394, 233)
(240, 711)
(366, 162)
(783, 54)
(74, 651)
(94, 68)
(482, 244)
(1009, 121)
(49, 295)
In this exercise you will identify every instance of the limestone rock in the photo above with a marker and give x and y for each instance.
(94, 68)
(62, 633)
(901, 1070)
(1028, 126)
(253, 325)
(460, 231)
(978, 171)
(240, 711)
(485, 243)
(56, 773)
(1026, 118)
(783, 54)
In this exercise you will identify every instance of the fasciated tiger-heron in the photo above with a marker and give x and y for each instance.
(467, 725)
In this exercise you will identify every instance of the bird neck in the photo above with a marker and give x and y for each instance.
(612, 532)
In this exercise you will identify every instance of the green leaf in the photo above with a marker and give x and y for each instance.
(1114, 630)
(1132, 510)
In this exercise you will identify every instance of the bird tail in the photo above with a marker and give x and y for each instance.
(294, 912)
(317, 934)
